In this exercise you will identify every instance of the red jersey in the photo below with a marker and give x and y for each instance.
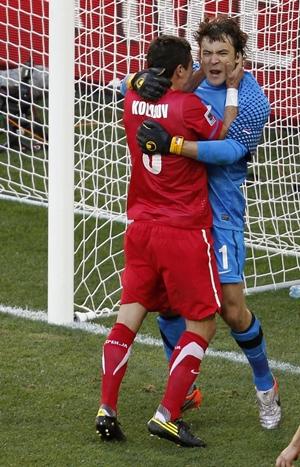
(169, 189)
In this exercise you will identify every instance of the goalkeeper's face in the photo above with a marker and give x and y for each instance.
(214, 55)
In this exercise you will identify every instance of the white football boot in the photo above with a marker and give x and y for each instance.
(269, 407)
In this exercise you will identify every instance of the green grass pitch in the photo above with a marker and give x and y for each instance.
(49, 378)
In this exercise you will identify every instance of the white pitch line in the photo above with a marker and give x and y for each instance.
(143, 338)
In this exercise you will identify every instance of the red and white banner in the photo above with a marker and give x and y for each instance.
(112, 37)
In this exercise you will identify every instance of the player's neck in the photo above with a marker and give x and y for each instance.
(177, 86)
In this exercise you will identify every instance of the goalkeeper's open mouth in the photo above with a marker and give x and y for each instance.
(215, 72)
(215, 76)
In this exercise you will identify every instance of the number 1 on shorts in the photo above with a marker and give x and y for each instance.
(223, 250)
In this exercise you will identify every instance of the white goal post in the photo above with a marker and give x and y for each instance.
(80, 167)
(61, 161)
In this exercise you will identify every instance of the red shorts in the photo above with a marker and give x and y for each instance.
(171, 268)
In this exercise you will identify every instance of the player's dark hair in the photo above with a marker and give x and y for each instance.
(216, 29)
(168, 52)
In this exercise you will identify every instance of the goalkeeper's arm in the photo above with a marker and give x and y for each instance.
(153, 138)
(222, 152)
(228, 151)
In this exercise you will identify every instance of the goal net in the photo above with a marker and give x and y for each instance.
(111, 38)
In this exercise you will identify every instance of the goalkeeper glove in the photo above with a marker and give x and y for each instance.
(154, 139)
(149, 84)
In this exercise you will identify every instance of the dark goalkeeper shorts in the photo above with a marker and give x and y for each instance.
(167, 267)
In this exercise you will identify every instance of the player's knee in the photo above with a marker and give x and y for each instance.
(212, 329)
(205, 328)
(211, 326)
(236, 315)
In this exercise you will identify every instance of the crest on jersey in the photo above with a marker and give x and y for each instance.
(140, 83)
(209, 116)
(151, 146)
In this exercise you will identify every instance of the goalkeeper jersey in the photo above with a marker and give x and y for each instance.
(226, 198)
(169, 189)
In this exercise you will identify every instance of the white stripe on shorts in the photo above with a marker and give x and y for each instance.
(213, 284)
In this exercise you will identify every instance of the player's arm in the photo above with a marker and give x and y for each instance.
(153, 138)
(234, 74)
(244, 133)
(242, 137)
(215, 153)
(223, 152)
(290, 453)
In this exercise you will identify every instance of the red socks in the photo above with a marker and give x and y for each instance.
(184, 369)
(115, 354)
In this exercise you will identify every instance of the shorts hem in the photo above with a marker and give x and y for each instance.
(231, 280)
(203, 315)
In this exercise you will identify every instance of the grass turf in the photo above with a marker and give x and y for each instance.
(49, 384)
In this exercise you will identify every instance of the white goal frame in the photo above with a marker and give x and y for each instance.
(273, 211)
(61, 162)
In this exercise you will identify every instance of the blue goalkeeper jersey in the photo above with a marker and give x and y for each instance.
(226, 197)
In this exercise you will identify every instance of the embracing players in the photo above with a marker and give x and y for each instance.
(221, 40)
(169, 259)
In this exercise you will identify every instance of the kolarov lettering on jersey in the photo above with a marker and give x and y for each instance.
(227, 200)
(149, 110)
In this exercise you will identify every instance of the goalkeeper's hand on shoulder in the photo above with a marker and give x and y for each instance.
(154, 139)
(150, 84)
